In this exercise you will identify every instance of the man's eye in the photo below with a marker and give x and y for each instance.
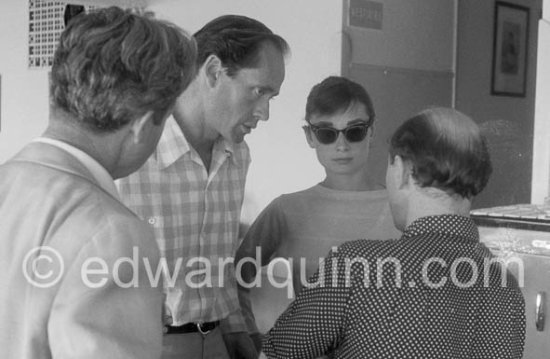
(260, 92)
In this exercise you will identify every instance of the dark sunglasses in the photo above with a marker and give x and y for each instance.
(353, 133)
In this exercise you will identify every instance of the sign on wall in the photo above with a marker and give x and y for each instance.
(46, 22)
(366, 14)
(45, 26)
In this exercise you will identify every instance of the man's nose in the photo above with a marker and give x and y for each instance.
(262, 110)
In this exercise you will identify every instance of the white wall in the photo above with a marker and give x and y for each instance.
(541, 142)
(24, 102)
(281, 160)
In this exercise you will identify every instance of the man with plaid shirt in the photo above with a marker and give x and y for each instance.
(191, 189)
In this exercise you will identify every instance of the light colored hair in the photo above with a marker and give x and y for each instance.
(112, 66)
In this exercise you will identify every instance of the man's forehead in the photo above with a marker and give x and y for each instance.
(268, 74)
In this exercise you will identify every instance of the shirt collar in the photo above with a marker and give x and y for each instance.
(226, 148)
(446, 224)
(100, 174)
(173, 145)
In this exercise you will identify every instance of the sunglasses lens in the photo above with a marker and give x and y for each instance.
(356, 133)
(326, 135)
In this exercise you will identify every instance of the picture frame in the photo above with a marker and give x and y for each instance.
(510, 46)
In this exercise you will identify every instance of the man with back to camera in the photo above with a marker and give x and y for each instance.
(114, 80)
(191, 190)
(441, 292)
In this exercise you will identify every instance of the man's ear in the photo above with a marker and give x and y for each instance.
(140, 127)
(403, 172)
(213, 68)
(308, 134)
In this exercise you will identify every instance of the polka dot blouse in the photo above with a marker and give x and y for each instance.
(434, 293)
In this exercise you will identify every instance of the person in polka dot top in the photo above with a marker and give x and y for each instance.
(436, 292)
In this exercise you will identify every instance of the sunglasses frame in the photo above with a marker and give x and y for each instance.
(344, 131)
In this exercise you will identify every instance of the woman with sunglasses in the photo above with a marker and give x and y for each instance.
(303, 226)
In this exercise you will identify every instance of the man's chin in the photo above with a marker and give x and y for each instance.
(238, 138)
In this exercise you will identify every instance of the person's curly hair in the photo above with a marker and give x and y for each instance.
(112, 66)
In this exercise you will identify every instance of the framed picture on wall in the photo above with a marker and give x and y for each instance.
(510, 43)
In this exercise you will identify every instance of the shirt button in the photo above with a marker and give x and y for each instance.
(152, 220)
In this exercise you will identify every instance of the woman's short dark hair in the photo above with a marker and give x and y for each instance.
(336, 94)
(236, 40)
(112, 66)
(446, 150)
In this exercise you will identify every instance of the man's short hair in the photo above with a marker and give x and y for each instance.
(336, 94)
(236, 40)
(112, 66)
(446, 150)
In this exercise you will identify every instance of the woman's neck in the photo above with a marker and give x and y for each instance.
(350, 183)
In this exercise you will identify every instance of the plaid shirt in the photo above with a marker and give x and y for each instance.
(195, 216)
